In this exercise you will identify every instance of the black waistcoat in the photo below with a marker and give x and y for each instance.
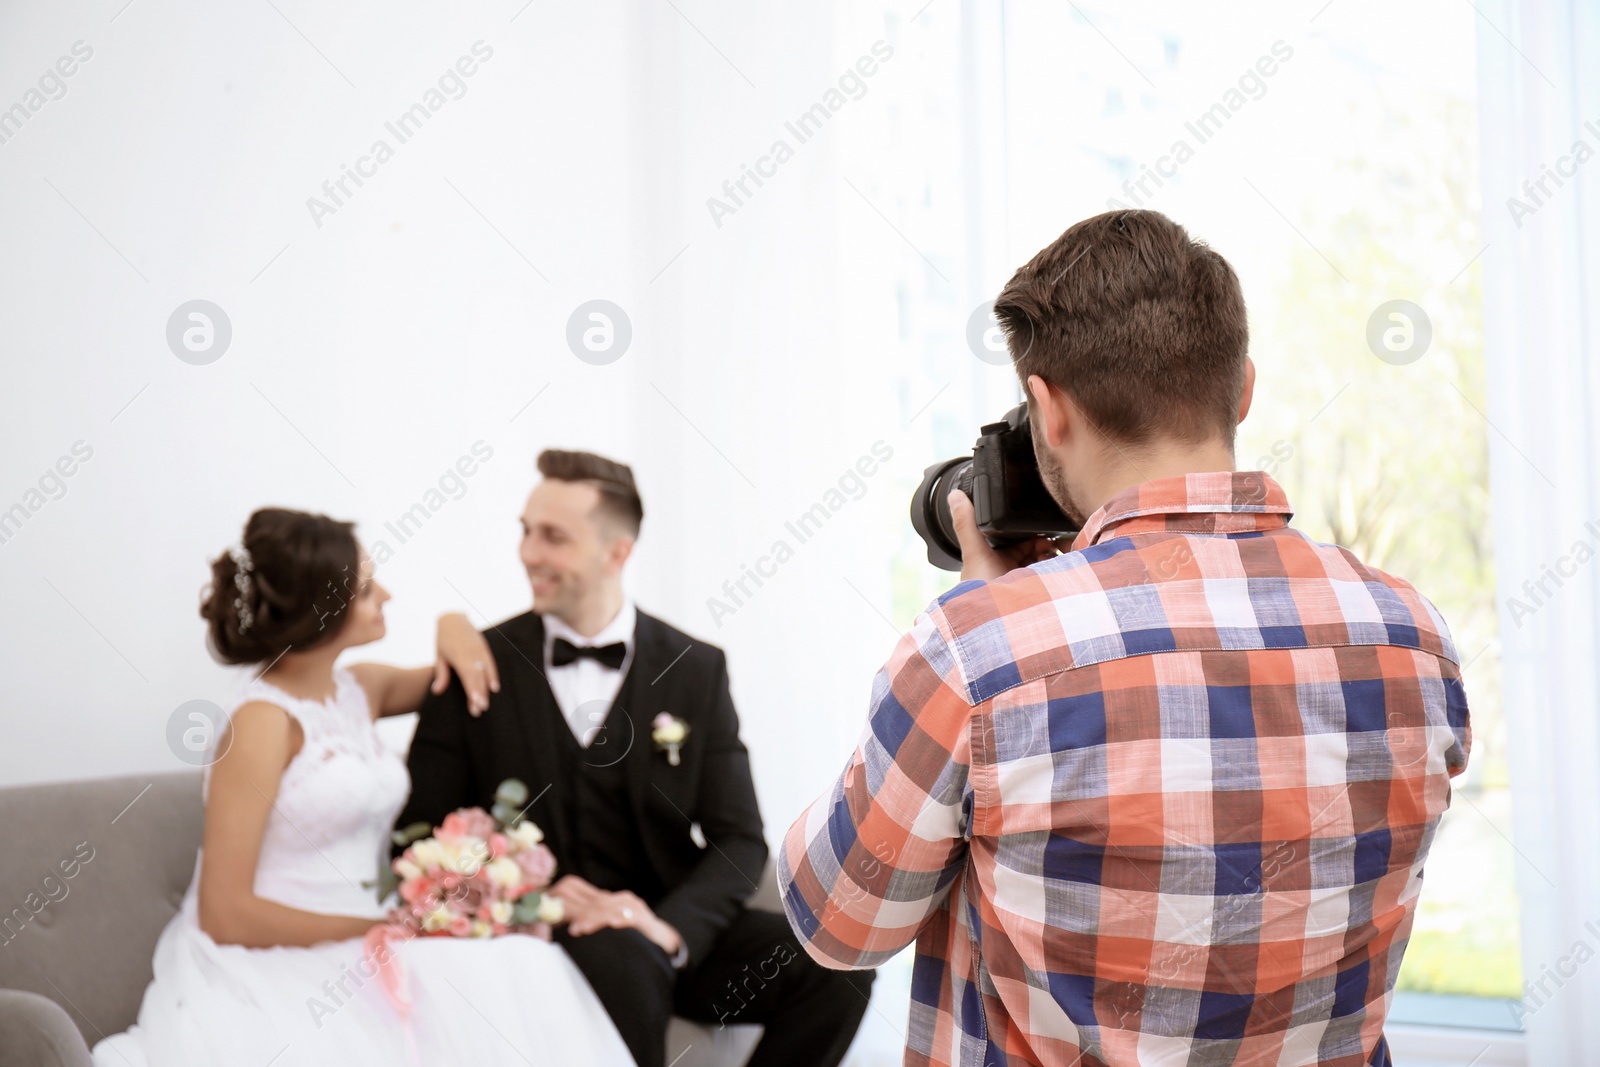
(601, 840)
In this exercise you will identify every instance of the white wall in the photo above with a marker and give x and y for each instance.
(370, 352)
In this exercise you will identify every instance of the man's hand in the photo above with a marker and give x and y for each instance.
(590, 908)
(978, 559)
(461, 648)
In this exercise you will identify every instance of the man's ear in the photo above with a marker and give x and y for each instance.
(1049, 410)
(617, 553)
(1249, 387)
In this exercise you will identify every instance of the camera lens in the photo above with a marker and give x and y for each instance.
(930, 510)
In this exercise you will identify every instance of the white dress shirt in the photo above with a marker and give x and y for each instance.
(585, 688)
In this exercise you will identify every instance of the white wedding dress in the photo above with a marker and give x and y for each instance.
(475, 1001)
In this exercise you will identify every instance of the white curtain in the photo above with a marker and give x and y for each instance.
(1540, 114)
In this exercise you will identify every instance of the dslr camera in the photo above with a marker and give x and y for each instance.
(1001, 477)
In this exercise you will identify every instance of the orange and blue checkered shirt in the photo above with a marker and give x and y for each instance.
(1162, 799)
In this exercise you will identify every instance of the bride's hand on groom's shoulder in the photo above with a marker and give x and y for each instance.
(590, 908)
(461, 648)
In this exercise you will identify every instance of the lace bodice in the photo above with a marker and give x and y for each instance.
(328, 830)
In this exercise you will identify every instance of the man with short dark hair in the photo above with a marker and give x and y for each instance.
(1166, 797)
(624, 732)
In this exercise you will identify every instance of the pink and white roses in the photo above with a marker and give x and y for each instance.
(479, 875)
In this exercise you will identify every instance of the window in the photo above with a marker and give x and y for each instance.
(1336, 168)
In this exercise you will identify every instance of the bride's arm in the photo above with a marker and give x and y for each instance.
(392, 690)
(244, 784)
(461, 648)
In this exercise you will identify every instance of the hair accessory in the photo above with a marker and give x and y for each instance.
(241, 579)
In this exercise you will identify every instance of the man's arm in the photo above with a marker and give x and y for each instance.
(895, 816)
(442, 777)
(705, 902)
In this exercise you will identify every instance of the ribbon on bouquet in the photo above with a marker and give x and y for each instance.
(379, 950)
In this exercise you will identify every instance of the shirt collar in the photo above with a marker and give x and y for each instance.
(1215, 502)
(620, 628)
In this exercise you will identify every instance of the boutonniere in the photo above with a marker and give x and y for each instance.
(668, 732)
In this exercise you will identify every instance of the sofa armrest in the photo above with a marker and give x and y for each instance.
(35, 1031)
(766, 896)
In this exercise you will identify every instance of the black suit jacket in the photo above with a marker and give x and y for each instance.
(457, 761)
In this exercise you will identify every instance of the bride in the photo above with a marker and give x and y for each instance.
(262, 965)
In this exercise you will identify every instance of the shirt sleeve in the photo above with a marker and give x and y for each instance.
(1457, 715)
(1459, 719)
(865, 866)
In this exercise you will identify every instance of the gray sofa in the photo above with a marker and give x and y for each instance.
(75, 949)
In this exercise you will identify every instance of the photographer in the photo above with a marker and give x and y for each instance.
(1165, 797)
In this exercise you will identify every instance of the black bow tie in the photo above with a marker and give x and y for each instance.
(565, 652)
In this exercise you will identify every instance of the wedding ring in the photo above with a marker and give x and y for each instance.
(479, 665)
(627, 913)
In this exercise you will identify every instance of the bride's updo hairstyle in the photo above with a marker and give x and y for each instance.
(284, 588)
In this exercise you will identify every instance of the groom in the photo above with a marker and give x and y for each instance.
(658, 843)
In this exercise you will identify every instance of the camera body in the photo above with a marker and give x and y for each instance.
(1001, 477)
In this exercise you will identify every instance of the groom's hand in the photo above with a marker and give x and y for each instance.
(461, 648)
(590, 908)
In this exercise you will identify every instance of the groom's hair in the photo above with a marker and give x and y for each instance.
(619, 497)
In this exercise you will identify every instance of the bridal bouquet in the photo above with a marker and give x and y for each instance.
(480, 874)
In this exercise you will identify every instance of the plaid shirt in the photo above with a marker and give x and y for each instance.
(1163, 799)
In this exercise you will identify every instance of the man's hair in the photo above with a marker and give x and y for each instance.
(1143, 327)
(619, 497)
